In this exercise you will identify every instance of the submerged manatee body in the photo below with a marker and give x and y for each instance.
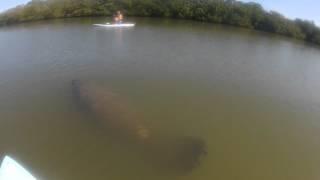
(117, 118)
(110, 110)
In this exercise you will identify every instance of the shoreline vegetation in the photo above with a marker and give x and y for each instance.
(229, 12)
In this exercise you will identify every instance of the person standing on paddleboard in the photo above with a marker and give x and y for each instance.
(118, 18)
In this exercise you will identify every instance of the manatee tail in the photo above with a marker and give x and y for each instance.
(180, 155)
(189, 152)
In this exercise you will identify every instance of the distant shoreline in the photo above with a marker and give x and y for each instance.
(226, 12)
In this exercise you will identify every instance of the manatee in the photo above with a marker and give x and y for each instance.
(118, 118)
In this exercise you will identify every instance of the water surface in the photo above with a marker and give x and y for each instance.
(253, 97)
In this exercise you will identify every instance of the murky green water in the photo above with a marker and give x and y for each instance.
(253, 97)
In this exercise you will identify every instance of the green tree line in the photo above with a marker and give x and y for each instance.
(231, 12)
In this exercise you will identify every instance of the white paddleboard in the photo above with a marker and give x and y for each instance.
(115, 25)
(11, 170)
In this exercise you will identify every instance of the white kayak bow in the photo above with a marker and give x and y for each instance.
(11, 170)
